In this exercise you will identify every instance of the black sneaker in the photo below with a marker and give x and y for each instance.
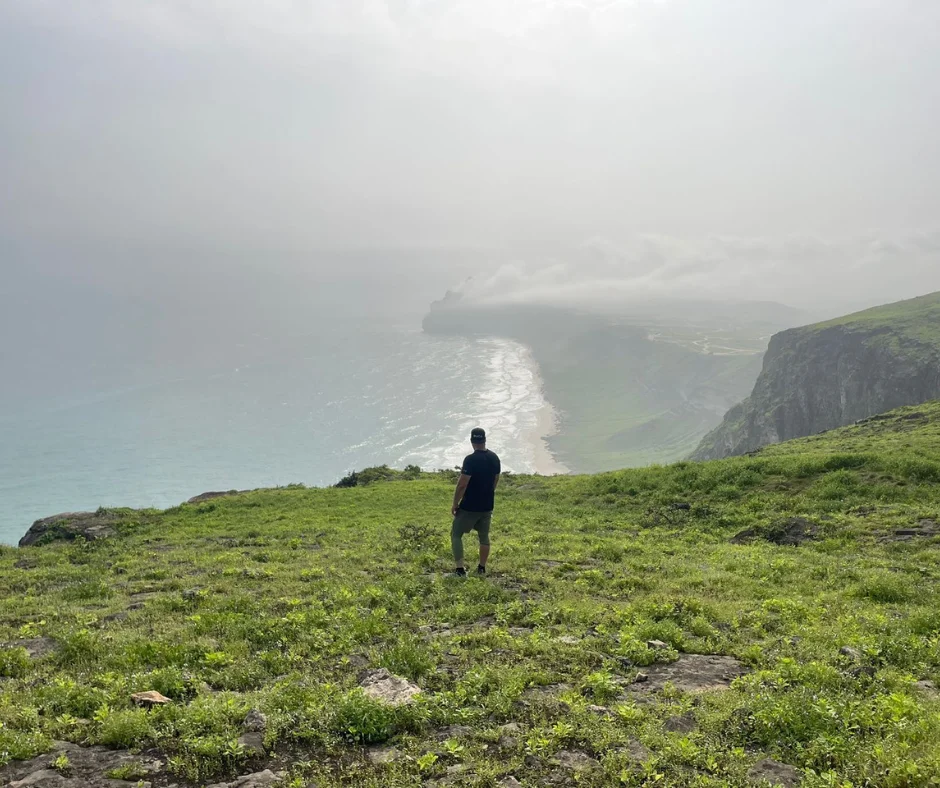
(481, 570)
(460, 572)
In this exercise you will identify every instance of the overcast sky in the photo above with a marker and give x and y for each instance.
(782, 125)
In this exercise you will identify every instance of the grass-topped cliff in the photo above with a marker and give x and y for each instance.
(831, 374)
(257, 614)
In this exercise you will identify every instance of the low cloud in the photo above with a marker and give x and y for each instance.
(806, 272)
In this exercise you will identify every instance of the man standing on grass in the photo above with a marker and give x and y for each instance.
(474, 500)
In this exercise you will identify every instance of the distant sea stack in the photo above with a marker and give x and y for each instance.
(832, 374)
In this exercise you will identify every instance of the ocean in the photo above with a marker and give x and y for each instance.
(337, 391)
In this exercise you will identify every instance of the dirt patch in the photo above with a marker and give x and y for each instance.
(691, 673)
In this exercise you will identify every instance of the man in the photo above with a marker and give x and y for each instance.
(474, 500)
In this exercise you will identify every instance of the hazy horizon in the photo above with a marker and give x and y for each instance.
(750, 150)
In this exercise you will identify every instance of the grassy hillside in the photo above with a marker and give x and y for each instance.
(277, 600)
(627, 401)
(918, 318)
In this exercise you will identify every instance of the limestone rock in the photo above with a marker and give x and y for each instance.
(88, 768)
(851, 653)
(509, 736)
(574, 761)
(928, 688)
(657, 645)
(382, 755)
(253, 743)
(684, 723)
(453, 732)
(635, 751)
(774, 773)
(256, 722)
(256, 780)
(509, 782)
(386, 688)
(69, 526)
(47, 778)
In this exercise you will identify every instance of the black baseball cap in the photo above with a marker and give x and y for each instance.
(478, 435)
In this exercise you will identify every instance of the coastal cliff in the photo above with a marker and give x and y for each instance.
(832, 374)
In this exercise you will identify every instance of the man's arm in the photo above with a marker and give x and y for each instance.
(496, 481)
(459, 493)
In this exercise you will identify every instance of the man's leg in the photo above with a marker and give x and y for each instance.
(483, 530)
(456, 539)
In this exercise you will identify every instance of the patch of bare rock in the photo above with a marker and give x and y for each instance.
(683, 723)
(771, 772)
(635, 751)
(928, 688)
(691, 673)
(208, 496)
(791, 532)
(35, 648)
(69, 526)
(386, 688)
(88, 767)
(379, 756)
(256, 780)
(574, 761)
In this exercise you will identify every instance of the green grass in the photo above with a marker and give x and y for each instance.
(275, 600)
(917, 318)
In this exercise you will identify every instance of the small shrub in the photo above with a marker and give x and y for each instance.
(123, 729)
(62, 764)
(14, 663)
(600, 686)
(361, 719)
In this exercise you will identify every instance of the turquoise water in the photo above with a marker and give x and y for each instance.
(251, 409)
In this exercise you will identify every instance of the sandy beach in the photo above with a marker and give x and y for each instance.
(545, 427)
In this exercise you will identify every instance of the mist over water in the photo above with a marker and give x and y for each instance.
(360, 386)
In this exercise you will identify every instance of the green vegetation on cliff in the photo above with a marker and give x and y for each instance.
(917, 318)
(275, 601)
(831, 374)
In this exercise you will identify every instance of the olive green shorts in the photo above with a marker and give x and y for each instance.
(464, 523)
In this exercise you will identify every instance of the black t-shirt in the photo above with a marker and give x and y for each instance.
(482, 467)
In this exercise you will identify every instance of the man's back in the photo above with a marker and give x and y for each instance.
(482, 467)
